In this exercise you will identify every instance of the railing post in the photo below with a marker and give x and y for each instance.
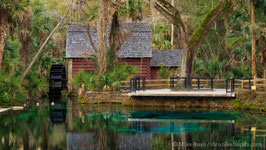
(226, 85)
(144, 85)
(233, 85)
(185, 82)
(173, 84)
(143, 79)
(254, 80)
(135, 85)
(242, 84)
(139, 84)
(170, 83)
(212, 83)
(198, 83)
(249, 83)
(130, 85)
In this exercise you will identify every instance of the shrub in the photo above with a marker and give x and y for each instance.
(111, 80)
(164, 72)
(12, 92)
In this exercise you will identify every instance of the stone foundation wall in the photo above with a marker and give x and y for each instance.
(101, 97)
(244, 100)
(178, 102)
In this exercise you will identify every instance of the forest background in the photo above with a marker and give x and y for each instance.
(225, 52)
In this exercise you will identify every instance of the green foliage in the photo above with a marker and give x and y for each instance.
(213, 67)
(209, 68)
(197, 34)
(12, 92)
(36, 85)
(85, 77)
(13, 7)
(161, 36)
(198, 67)
(164, 72)
(241, 71)
(114, 77)
(234, 39)
(111, 80)
(134, 7)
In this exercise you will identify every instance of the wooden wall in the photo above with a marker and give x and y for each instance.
(79, 64)
(143, 65)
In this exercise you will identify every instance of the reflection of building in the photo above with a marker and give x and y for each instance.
(135, 141)
(140, 126)
(80, 141)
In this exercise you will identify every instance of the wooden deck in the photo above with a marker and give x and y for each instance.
(183, 93)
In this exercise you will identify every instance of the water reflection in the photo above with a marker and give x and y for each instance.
(67, 125)
(58, 112)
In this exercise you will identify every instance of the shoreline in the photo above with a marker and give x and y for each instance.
(244, 100)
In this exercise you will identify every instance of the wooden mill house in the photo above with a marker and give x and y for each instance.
(135, 51)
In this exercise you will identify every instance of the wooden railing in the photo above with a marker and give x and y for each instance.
(260, 84)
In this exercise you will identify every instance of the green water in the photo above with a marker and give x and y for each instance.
(79, 127)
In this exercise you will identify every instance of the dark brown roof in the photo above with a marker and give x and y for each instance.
(137, 44)
(171, 58)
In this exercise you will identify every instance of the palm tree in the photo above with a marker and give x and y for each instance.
(8, 10)
(24, 35)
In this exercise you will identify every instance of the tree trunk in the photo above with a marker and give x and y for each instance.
(172, 28)
(101, 30)
(3, 25)
(253, 40)
(197, 37)
(114, 39)
(25, 138)
(24, 56)
(264, 60)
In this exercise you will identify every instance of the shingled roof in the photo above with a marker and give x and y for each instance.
(137, 44)
(171, 58)
(77, 42)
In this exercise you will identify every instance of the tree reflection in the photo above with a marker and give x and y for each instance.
(60, 126)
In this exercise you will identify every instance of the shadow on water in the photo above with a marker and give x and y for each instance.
(68, 125)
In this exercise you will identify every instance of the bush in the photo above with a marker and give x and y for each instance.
(209, 68)
(242, 71)
(164, 72)
(12, 92)
(111, 80)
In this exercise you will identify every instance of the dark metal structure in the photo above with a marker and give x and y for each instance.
(230, 84)
(57, 81)
(137, 84)
(185, 81)
(231, 88)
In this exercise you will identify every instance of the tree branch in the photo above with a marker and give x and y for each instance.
(89, 35)
(46, 41)
(170, 13)
(167, 5)
(197, 37)
(165, 13)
